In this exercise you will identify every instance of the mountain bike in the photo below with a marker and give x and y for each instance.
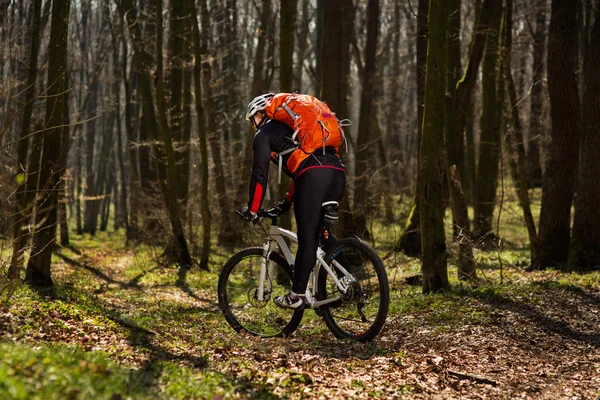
(348, 286)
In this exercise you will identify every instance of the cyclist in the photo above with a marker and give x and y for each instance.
(320, 178)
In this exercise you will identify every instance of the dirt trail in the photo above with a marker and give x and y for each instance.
(545, 346)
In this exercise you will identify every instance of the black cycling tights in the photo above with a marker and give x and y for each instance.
(313, 187)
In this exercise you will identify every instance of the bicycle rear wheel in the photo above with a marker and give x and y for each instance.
(361, 312)
(238, 294)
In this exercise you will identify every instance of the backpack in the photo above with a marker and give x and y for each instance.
(314, 124)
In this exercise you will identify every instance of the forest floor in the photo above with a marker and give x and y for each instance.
(124, 326)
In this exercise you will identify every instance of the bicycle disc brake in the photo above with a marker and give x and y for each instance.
(253, 298)
(352, 289)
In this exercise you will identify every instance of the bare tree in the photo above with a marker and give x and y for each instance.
(560, 176)
(38, 272)
(365, 140)
(431, 166)
(585, 252)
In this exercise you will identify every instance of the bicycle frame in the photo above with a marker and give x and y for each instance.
(278, 235)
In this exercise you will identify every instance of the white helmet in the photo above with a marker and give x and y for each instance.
(258, 104)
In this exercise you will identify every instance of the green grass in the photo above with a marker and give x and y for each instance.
(61, 372)
(125, 325)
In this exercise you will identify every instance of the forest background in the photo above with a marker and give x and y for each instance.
(471, 159)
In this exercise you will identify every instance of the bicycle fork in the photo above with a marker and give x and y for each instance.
(266, 270)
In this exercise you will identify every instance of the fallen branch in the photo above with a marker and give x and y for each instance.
(478, 378)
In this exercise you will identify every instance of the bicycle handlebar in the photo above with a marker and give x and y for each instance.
(272, 214)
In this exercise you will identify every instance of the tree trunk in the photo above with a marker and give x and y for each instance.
(123, 212)
(169, 187)
(431, 168)
(517, 141)
(467, 83)
(466, 264)
(174, 78)
(320, 30)
(226, 235)
(38, 273)
(65, 147)
(560, 175)
(236, 102)
(537, 127)
(150, 155)
(157, 118)
(91, 203)
(303, 31)
(363, 160)
(287, 27)
(78, 185)
(109, 186)
(135, 185)
(489, 147)
(394, 120)
(204, 206)
(585, 251)
(461, 105)
(470, 163)
(23, 207)
(334, 60)
(410, 238)
(257, 87)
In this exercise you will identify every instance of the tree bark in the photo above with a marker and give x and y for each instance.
(157, 122)
(334, 60)
(287, 26)
(65, 147)
(134, 176)
(302, 35)
(320, 30)
(204, 206)
(258, 87)
(169, 187)
(226, 235)
(174, 90)
(23, 207)
(78, 186)
(431, 168)
(410, 238)
(150, 155)
(537, 127)
(38, 273)
(123, 214)
(461, 105)
(585, 251)
(489, 147)
(363, 160)
(560, 175)
(394, 124)
(517, 141)
(466, 264)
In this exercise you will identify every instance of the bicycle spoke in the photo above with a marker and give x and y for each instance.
(362, 309)
(239, 295)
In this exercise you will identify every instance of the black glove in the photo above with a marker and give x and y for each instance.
(246, 214)
(283, 206)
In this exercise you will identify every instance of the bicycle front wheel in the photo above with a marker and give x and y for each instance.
(361, 312)
(238, 294)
